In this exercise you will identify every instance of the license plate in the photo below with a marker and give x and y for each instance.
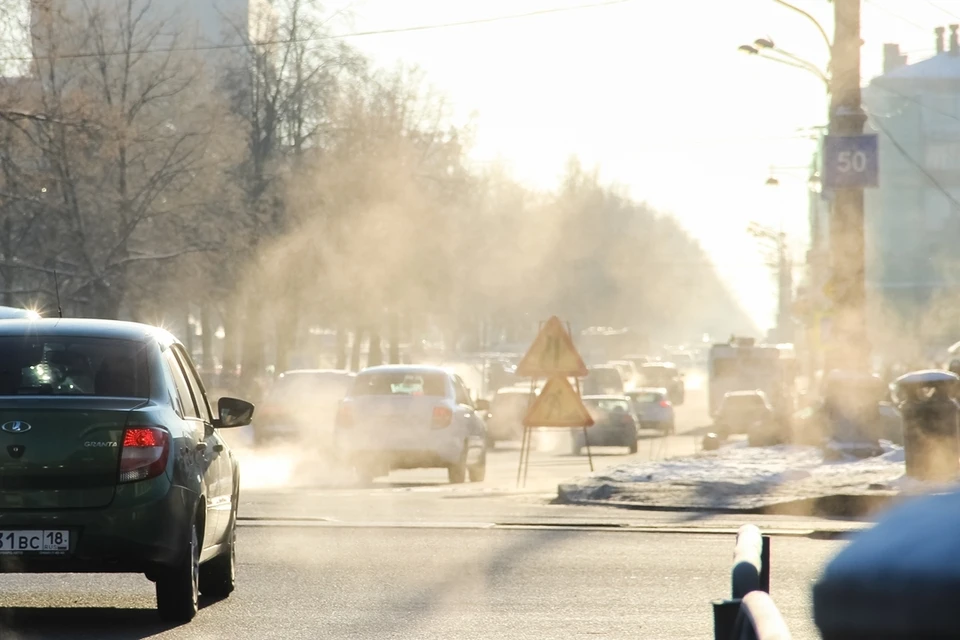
(34, 541)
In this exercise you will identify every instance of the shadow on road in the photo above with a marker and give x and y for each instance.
(95, 623)
(102, 623)
(478, 583)
(407, 485)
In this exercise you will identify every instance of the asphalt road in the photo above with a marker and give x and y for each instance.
(550, 462)
(326, 581)
(414, 557)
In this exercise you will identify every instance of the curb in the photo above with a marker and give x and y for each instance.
(860, 506)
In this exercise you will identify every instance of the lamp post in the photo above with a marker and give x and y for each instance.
(846, 120)
(781, 262)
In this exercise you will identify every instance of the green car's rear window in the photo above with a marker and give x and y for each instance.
(73, 366)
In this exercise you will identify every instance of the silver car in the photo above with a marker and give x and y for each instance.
(411, 417)
(653, 408)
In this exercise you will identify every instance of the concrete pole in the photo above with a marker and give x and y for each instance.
(847, 246)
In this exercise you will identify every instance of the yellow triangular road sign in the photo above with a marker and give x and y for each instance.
(552, 354)
(558, 405)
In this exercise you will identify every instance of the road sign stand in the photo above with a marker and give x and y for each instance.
(586, 439)
(553, 343)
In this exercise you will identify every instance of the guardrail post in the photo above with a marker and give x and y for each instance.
(725, 614)
(747, 561)
(765, 565)
(749, 614)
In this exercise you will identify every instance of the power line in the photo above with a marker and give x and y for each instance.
(897, 15)
(941, 9)
(936, 183)
(919, 103)
(342, 36)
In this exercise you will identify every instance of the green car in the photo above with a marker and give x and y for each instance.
(112, 461)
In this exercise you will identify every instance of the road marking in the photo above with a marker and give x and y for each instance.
(595, 527)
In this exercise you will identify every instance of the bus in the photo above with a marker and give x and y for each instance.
(743, 365)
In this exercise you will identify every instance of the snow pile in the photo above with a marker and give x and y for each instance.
(740, 464)
(739, 476)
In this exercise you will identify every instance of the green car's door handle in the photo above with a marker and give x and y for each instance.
(218, 448)
(201, 446)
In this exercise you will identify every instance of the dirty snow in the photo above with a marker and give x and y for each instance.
(739, 476)
(738, 463)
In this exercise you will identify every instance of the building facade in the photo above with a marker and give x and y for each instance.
(913, 217)
(214, 30)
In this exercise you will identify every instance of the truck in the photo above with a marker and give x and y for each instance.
(743, 365)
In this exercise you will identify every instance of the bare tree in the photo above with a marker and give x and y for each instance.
(124, 134)
(282, 89)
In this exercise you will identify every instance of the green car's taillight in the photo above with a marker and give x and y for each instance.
(143, 453)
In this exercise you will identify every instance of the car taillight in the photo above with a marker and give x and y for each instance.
(143, 453)
(665, 404)
(442, 416)
(344, 416)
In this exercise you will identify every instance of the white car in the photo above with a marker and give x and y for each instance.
(411, 417)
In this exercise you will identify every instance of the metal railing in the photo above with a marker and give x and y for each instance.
(750, 613)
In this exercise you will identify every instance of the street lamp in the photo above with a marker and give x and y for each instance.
(813, 179)
(823, 32)
(850, 346)
(765, 48)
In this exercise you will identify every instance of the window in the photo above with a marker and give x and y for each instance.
(612, 405)
(196, 385)
(187, 408)
(463, 396)
(76, 366)
(401, 383)
(300, 386)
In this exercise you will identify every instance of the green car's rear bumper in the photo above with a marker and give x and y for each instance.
(143, 528)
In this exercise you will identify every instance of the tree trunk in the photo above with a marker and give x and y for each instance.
(374, 351)
(286, 334)
(341, 347)
(107, 302)
(206, 338)
(188, 331)
(231, 329)
(394, 338)
(6, 253)
(355, 350)
(252, 349)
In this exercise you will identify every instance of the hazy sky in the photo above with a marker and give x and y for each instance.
(653, 92)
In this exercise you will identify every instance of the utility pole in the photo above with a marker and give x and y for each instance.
(847, 246)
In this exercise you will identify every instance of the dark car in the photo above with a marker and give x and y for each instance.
(9, 313)
(602, 380)
(852, 410)
(743, 412)
(302, 405)
(666, 376)
(113, 461)
(614, 424)
(507, 409)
